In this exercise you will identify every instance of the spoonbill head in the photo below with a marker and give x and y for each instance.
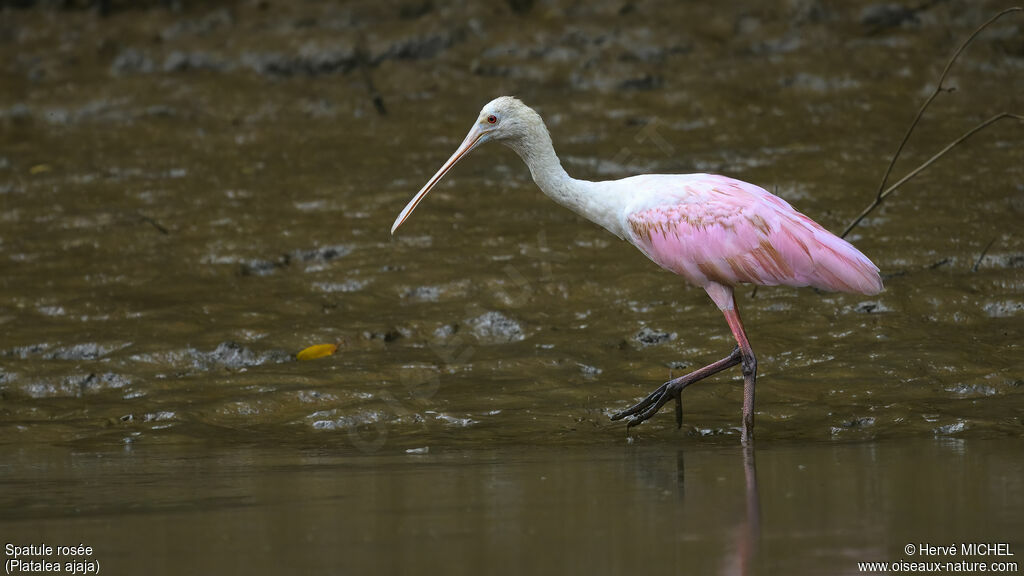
(504, 119)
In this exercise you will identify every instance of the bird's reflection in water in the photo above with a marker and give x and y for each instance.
(748, 532)
(704, 499)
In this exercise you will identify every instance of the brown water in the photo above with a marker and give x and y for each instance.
(190, 197)
(660, 508)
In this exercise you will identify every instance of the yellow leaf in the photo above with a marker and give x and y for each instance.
(39, 169)
(317, 351)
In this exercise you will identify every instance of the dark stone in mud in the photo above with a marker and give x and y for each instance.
(809, 11)
(645, 82)
(423, 293)
(881, 16)
(68, 387)
(131, 61)
(97, 382)
(954, 428)
(443, 332)
(268, 63)
(1004, 260)
(389, 336)
(6, 378)
(871, 307)
(178, 61)
(496, 328)
(481, 69)
(1013, 44)
(321, 108)
(73, 386)
(86, 351)
(18, 113)
(261, 267)
(648, 337)
(321, 254)
(415, 10)
(416, 48)
(213, 21)
(233, 355)
(313, 61)
(784, 44)
(160, 111)
(25, 351)
(859, 422)
(520, 6)
(1003, 309)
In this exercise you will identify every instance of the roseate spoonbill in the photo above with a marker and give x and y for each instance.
(714, 231)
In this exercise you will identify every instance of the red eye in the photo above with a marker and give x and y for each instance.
(492, 119)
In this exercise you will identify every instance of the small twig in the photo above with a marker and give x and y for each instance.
(155, 224)
(939, 88)
(937, 91)
(363, 63)
(982, 257)
(883, 194)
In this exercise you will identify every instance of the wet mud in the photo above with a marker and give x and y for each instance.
(190, 194)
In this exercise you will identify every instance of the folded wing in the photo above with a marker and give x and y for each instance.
(715, 229)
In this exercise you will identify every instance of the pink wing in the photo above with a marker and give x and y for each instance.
(711, 228)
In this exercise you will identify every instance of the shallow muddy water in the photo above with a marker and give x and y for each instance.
(662, 508)
(188, 198)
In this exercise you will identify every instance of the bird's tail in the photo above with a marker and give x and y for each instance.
(840, 267)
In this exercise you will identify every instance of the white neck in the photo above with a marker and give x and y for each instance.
(595, 202)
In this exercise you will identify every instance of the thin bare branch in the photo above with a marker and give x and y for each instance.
(984, 251)
(884, 193)
(939, 88)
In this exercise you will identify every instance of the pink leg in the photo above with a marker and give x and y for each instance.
(726, 302)
(743, 355)
(749, 366)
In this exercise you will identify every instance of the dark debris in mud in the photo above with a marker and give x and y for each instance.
(215, 21)
(83, 351)
(131, 61)
(862, 422)
(496, 328)
(311, 61)
(603, 71)
(650, 337)
(871, 307)
(264, 267)
(423, 293)
(877, 18)
(70, 386)
(383, 336)
(233, 356)
(180, 61)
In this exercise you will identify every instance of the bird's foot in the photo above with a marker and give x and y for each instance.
(672, 390)
(649, 406)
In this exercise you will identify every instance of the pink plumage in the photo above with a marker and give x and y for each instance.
(713, 229)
